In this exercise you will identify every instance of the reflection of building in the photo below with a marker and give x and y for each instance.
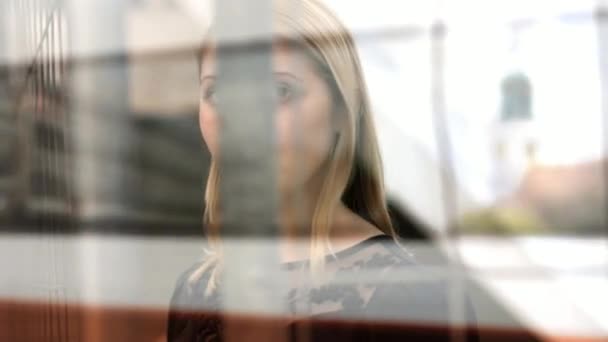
(515, 144)
(571, 199)
(7, 137)
(34, 161)
(516, 98)
(102, 138)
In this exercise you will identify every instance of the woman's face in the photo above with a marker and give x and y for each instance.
(304, 132)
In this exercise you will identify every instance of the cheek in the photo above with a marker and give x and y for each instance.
(308, 133)
(209, 126)
(304, 135)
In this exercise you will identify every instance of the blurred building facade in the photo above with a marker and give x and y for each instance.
(86, 136)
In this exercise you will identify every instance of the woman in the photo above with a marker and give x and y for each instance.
(338, 191)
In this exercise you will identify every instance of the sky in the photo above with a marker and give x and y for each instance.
(557, 49)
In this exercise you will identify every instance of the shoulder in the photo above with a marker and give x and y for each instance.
(400, 278)
(415, 291)
(380, 252)
(192, 315)
(189, 290)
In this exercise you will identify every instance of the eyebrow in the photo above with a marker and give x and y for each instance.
(207, 77)
(276, 73)
(288, 74)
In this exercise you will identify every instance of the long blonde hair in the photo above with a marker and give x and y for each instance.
(354, 174)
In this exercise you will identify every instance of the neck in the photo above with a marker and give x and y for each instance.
(347, 228)
(297, 208)
(296, 212)
(296, 217)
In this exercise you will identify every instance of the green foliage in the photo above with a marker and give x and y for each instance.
(502, 221)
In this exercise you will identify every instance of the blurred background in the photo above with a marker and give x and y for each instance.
(492, 118)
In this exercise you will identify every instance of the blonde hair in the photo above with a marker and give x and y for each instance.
(354, 174)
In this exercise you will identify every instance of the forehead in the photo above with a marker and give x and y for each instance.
(284, 58)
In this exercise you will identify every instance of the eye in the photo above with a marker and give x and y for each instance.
(284, 91)
(209, 94)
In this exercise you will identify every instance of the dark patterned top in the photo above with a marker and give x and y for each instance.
(372, 291)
